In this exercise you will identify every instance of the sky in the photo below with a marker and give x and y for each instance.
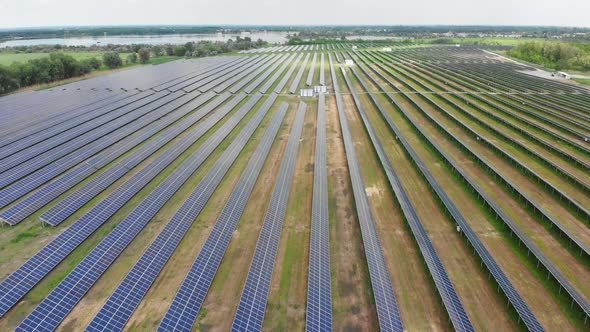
(31, 13)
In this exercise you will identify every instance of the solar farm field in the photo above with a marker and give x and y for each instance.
(417, 189)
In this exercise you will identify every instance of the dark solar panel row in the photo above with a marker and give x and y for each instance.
(29, 274)
(252, 86)
(119, 307)
(82, 196)
(444, 285)
(238, 86)
(95, 142)
(53, 309)
(198, 72)
(264, 59)
(251, 308)
(530, 172)
(576, 297)
(51, 127)
(311, 73)
(236, 75)
(515, 299)
(387, 310)
(299, 76)
(40, 198)
(264, 89)
(285, 78)
(204, 84)
(319, 294)
(322, 70)
(62, 139)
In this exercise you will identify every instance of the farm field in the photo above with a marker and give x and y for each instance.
(312, 187)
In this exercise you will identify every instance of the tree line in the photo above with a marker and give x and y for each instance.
(59, 66)
(554, 55)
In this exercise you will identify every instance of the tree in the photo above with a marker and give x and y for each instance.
(7, 80)
(135, 47)
(132, 58)
(157, 50)
(112, 60)
(190, 47)
(169, 51)
(180, 51)
(144, 55)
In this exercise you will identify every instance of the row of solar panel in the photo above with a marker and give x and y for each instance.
(23, 189)
(515, 299)
(523, 238)
(73, 236)
(319, 294)
(387, 309)
(63, 298)
(252, 305)
(536, 205)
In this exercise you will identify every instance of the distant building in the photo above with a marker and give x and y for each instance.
(387, 49)
(354, 47)
(348, 62)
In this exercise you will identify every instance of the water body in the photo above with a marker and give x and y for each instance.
(271, 37)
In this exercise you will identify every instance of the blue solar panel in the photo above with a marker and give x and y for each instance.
(29, 274)
(319, 293)
(299, 76)
(53, 309)
(252, 304)
(387, 310)
(40, 198)
(79, 198)
(115, 313)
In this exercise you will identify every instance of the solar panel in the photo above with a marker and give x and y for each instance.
(299, 76)
(387, 310)
(53, 309)
(252, 304)
(43, 196)
(311, 73)
(121, 304)
(29, 274)
(319, 294)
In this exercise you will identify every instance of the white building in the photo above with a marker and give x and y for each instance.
(565, 75)
(387, 49)
(348, 62)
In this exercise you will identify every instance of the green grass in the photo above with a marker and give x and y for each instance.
(583, 81)
(7, 59)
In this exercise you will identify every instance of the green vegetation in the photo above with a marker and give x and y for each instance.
(554, 55)
(583, 81)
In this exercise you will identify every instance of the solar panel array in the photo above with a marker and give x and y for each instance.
(322, 70)
(387, 310)
(68, 206)
(443, 283)
(115, 313)
(30, 273)
(319, 292)
(311, 73)
(551, 270)
(188, 300)
(299, 76)
(251, 308)
(515, 299)
(62, 299)
(43, 196)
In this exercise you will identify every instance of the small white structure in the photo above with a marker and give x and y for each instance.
(354, 47)
(562, 74)
(348, 62)
(306, 93)
(320, 89)
(457, 45)
(387, 49)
